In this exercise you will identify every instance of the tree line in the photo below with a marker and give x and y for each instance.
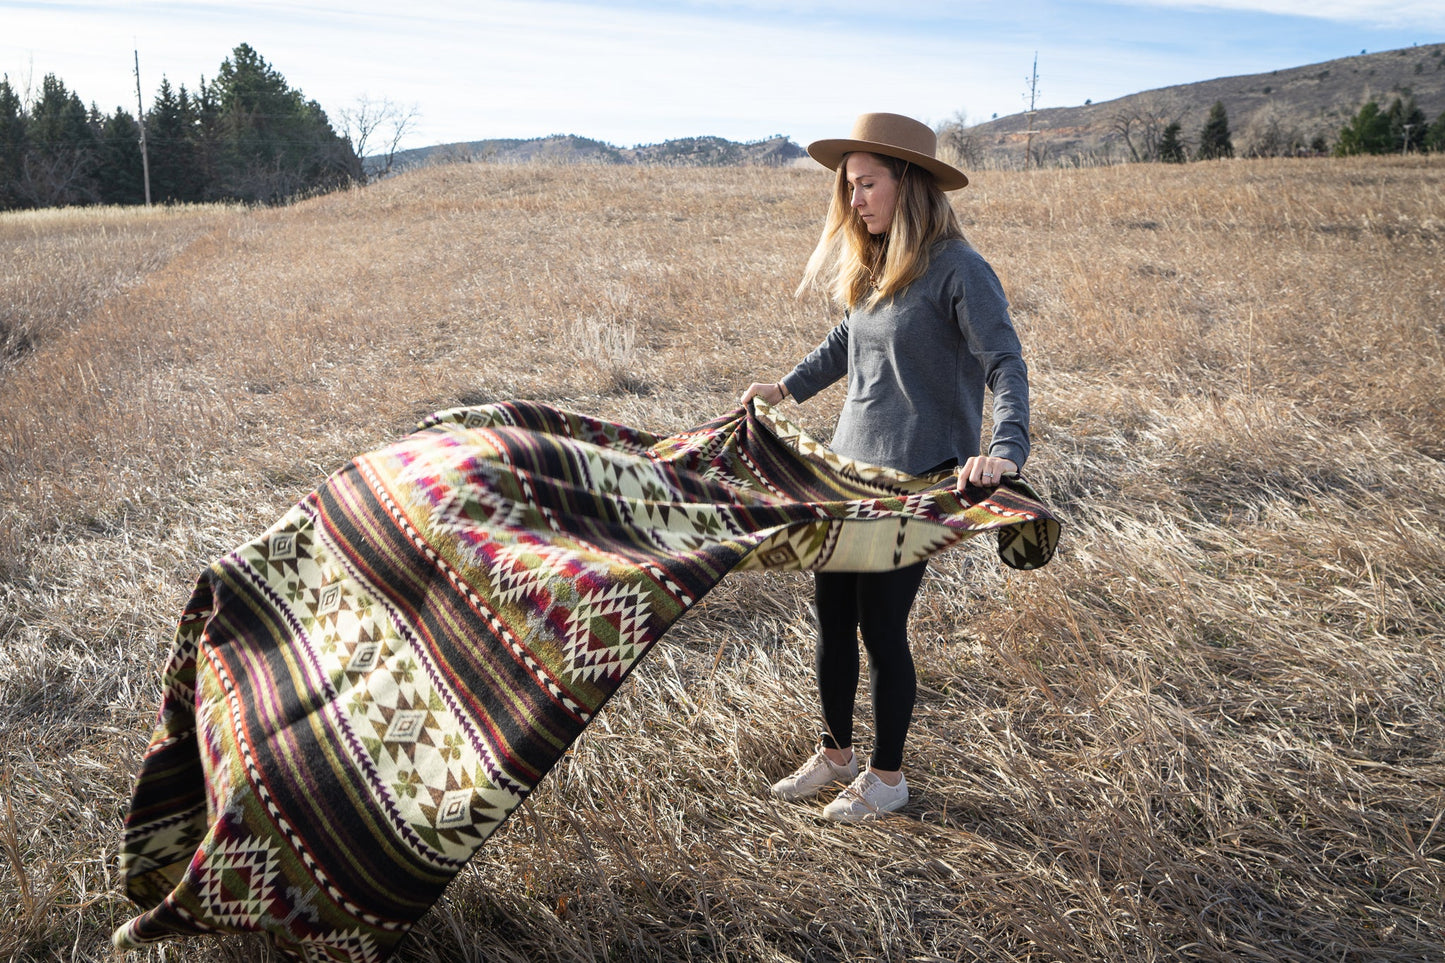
(245, 136)
(1150, 128)
(1400, 128)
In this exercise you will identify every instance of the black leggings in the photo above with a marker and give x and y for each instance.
(878, 604)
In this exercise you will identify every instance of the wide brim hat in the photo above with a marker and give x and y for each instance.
(896, 136)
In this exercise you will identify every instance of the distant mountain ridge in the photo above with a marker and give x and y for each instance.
(1307, 102)
(777, 150)
(1296, 105)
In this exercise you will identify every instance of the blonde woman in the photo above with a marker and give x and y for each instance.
(925, 329)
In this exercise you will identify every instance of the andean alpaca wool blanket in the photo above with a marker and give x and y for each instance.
(359, 697)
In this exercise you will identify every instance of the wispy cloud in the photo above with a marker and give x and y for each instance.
(1423, 15)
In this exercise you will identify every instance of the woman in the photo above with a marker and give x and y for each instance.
(925, 328)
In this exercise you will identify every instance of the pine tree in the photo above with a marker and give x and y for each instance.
(1408, 126)
(245, 136)
(273, 144)
(1368, 132)
(119, 175)
(1214, 140)
(1171, 148)
(171, 134)
(1435, 139)
(206, 138)
(61, 153)
(12, 145)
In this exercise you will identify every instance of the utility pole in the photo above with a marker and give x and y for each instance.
(145, 161)
(1033, 99)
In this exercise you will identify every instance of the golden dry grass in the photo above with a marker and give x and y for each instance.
(1210, 730)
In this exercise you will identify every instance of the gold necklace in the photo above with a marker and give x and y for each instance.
(876, 262)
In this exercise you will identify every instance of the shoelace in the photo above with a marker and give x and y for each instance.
(813, 766)
(861, 794)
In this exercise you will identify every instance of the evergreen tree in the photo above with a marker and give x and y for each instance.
(246, 136)
(12, 145)
(206, 140)
(172, 130)
(59, 120)
(1435, 138)
(1214, 140)
(273, 144)
(119, 174)
(1171, 148)
(1368, 132)
(61, 153)
(1408, 126)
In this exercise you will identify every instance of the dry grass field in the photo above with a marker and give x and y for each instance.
(1213, 729)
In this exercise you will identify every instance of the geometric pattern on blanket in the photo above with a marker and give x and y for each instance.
(356, 699)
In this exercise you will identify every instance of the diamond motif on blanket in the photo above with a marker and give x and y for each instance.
(519, 570)
(281, 546)
(364, 658)
(475, 507)
(455, 809)
(604, 631)
(237, 878)
(329, 600)
(352, 945)
(406, 725)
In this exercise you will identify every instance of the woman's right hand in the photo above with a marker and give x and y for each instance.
(771, 392)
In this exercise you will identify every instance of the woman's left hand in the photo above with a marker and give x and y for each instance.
(771, 393)
(985, 471)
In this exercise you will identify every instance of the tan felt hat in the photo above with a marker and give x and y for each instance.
(896, 136)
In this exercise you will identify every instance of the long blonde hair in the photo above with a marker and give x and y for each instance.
(855, 266)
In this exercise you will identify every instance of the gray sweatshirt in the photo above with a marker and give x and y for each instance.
(917, 365)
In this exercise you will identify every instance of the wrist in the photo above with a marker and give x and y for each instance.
(782, 390)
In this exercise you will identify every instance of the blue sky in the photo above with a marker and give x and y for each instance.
(641, 71)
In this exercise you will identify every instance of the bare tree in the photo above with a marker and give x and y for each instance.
(460, 154)
(377, 126)
(1125, 123)
(1142, 120)
(56, 179)
(958, 143)
(1039, 153)
(1271, 132)
(1030, 132)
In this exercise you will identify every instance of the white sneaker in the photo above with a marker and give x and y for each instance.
(809, 778)
(867, 797)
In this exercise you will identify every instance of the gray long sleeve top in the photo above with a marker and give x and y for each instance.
(917, 365)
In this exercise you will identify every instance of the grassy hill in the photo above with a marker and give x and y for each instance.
(569, 148)
(1310, 101)
(1289, 105)
(1213, 729)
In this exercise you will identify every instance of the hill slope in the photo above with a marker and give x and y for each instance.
(687, 151)
(1300, 103)
(1293, 105)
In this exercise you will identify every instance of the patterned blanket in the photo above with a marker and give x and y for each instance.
(359, 697)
